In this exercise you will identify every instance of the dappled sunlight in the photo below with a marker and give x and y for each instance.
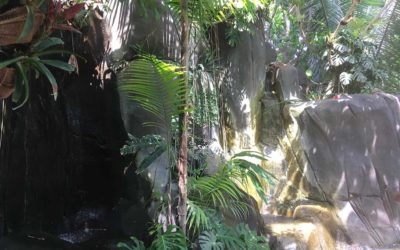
(346, 152)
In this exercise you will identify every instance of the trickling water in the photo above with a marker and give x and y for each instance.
(86, 224)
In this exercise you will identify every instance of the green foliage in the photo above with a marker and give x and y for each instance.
(283, 36)
(328, 12)
(157, 86)
(135, 244)
(387, 34)
(198, 217)
(209, 194)
(30, 18)
(149, 7)
(312, 25)
(354, 61)
(204, 99)
(3, 2)
(34, 62)
(250, 239)
(240, 237)
(209, 197)
(171, 239)
(209, 241)
(155, 143)
(239, 15)
(217, 192)
(241, 169)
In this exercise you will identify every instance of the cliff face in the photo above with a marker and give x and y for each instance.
(339, 180)
(56, 156)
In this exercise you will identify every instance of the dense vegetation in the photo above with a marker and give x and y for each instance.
(343, 46)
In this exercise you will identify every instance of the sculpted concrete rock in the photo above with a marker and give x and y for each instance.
(153, 28)
(243, 86)
(346, 153)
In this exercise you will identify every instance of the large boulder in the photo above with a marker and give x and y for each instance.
(345, 154)
(243, 86)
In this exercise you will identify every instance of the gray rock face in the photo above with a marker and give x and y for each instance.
(153, 28)
(243, 84)
(359, 138)
(351, 156)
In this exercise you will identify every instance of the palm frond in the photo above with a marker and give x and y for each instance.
(157, 86)
(365, 8)
(389, 41)
(328, 12)
(241, 169)
(213, 191)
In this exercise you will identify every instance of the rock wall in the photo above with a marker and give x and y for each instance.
(342, 166)
(56, 156)
(242, 86)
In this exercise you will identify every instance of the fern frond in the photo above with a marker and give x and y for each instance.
(157, 86)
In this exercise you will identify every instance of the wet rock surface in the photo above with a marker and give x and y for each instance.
(61, 172)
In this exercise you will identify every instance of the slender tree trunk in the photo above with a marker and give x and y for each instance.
(184, 119)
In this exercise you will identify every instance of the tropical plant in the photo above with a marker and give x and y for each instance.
(204, 98)
(35, 62)
(240, 237)
(158, 87)
(239, 15)
(209, 195)
(218, 192)
(353, 63)
(155, 143)
(171, 239)
(387, 32)
(323, 27)
(134, 244)
(241, 169)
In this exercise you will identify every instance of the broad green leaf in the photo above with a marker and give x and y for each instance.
(46, 72)
(28, 26)
(59, 64)
(47, 43)
(151, 158)
(23, 85)
(11, 61)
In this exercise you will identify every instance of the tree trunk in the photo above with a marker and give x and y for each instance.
(184, 118)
